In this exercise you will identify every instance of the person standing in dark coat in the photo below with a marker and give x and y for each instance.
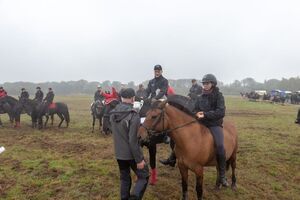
(195, 90)
(125, 123)
(39, 95)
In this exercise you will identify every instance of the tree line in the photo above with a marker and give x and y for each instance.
(181, 86)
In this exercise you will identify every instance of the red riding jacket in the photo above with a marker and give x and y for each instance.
(3, 93)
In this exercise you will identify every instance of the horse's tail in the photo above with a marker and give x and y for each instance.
(67, 115)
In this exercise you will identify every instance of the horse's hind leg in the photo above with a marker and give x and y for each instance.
(232, 161)
(184, 180)
(61, 119)
(93, 125)
(52, 119)
(46, 122)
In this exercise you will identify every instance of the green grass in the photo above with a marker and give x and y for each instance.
(73, 163)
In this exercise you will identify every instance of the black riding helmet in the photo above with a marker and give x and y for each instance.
(209, 78)
(157, 67)
(38, 88)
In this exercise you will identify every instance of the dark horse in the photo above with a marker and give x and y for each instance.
(61, 109)
(194, 145)
(8, 105)
(97, 109)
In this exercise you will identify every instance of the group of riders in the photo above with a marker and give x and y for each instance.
(24, 97)
(209, 110)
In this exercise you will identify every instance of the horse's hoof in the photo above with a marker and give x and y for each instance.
(234, 187)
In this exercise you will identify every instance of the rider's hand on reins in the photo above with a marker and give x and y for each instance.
(200, 115)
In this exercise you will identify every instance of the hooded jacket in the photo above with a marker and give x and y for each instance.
(125, 123)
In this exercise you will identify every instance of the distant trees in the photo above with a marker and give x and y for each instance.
(181, 86)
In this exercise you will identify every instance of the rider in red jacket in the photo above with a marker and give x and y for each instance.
(110, 97)
(3, 93)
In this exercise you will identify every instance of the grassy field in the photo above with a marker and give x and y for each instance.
(73, 163)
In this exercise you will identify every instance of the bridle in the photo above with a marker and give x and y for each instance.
(152, 132)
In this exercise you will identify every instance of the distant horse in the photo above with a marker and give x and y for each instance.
(59, 108)
(194, 145)
(8, 105)
(30, 107)
(97, 109)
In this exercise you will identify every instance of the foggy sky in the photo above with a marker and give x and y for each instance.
(123, 39)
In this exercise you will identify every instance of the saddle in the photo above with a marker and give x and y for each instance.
(52, 106)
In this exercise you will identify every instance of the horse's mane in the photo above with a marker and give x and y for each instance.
(182, 103)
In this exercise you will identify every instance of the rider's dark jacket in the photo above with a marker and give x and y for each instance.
(213, 106)
(39, 95)
(49, 97)
(158, 83)
(98, 96)
(24, 95)
(125, 123)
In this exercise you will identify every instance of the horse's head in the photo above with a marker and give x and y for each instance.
(155, 122)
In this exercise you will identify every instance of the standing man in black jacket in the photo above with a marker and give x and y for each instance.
(125, 123)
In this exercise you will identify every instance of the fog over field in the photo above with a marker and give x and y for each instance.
(99, 40)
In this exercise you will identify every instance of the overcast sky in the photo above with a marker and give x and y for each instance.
(62, 40)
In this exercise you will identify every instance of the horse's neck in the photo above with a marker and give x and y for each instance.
(177, 118)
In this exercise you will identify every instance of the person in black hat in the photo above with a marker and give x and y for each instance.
(158, 86)
(24, 96)
(125, 123)
(39, 95)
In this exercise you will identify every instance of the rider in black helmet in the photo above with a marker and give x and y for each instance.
(210, 110)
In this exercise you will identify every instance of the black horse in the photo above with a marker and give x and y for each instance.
(97, 109)
(59, 108)
(8, 105)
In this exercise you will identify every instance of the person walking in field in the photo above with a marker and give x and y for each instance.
(125, 123)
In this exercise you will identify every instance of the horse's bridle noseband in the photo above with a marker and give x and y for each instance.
(151, 131)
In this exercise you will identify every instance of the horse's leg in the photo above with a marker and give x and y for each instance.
(199, 182)
(61, 119)
(233, 166)
(52, 119)
(184, 180)
(0, 122)
(47, 118)
(93, 125)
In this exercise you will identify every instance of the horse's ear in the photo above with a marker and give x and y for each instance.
(163, 104)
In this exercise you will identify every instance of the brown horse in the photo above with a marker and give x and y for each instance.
(194, 145)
